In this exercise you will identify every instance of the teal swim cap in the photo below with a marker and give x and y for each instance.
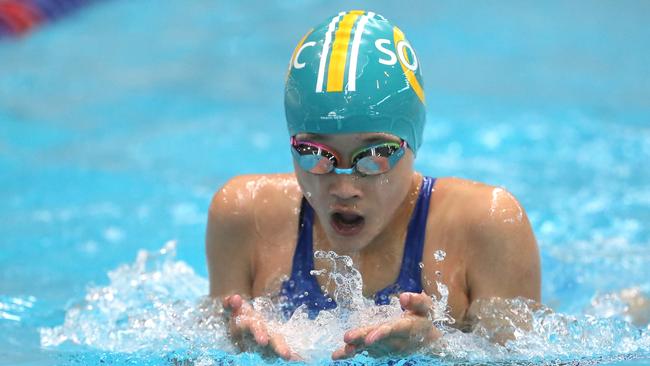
(355, 73)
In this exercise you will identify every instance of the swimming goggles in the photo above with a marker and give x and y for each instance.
(318, 159)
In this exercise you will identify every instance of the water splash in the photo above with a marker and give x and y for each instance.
(631, 305)
(157, 306)
(154, 304)
(439, 255)
(521, 329)
(349, 284)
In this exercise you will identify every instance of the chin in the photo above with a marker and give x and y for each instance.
(349, 243)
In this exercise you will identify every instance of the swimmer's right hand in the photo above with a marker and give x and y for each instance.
(245, 322)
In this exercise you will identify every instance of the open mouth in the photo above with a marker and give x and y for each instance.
(347, 224)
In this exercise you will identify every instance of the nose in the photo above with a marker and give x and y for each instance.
(345, 187)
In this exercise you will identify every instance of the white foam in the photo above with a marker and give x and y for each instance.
(158, 304)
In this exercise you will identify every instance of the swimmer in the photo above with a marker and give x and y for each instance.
(355, 112)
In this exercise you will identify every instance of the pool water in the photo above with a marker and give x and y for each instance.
(118, 123)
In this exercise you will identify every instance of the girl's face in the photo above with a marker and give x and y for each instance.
(354, 209)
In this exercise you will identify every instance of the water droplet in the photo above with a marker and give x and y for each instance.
(421, 265)
(438, 273)
(439, 255)
(317, 272)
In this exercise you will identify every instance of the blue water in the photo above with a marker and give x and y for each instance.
(118, 123)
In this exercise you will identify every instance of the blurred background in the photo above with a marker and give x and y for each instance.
(119, 119)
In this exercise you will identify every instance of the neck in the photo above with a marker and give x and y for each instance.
(393, 235)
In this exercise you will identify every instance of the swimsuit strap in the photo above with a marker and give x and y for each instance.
(302, 287)
(410, 275)
(304, 248)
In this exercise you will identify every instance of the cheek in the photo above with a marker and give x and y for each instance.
(311, 185)
(384, 195)
(389, 190)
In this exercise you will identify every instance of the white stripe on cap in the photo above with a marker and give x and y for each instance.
(354, 55)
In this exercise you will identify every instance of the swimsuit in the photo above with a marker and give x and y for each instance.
(303, 288)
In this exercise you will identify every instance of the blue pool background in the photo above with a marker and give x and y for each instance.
(118, 123)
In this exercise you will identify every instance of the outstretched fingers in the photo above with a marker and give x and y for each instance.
(245, 321)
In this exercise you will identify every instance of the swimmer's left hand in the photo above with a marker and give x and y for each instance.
(405, 335)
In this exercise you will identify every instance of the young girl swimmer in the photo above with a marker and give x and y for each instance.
(355, 111)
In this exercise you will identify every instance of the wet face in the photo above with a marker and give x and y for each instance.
(354, 209)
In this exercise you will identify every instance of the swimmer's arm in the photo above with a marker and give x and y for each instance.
(503, 263)
(228, 242)
(229, 246)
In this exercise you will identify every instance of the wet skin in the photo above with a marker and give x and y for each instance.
(252, 233)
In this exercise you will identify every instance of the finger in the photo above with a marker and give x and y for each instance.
(236, 302)
(338, 354)
(419, 304)
(377, 334)
(233, 330)
(232, 303)
(344, 352)
(256, 328)
(350, 350)
(226, 302)
(357, 336)
(404, 327)
(281, 348)
(411, 327)
(398, 329)
(260, 332)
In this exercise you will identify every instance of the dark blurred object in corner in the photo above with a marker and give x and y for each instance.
(18, 17)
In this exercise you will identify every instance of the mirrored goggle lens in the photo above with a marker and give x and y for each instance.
(371, 165)
(314, 159)
(376, 160)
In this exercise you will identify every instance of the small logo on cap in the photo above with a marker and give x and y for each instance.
(331, 115)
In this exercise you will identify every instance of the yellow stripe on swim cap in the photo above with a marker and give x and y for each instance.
(324, 55)
(336, 70)
(410, 76)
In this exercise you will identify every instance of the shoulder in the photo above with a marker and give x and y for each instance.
(241, 195)
(476, 204)
(243, 198)
(502, 257)
(245, 214)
